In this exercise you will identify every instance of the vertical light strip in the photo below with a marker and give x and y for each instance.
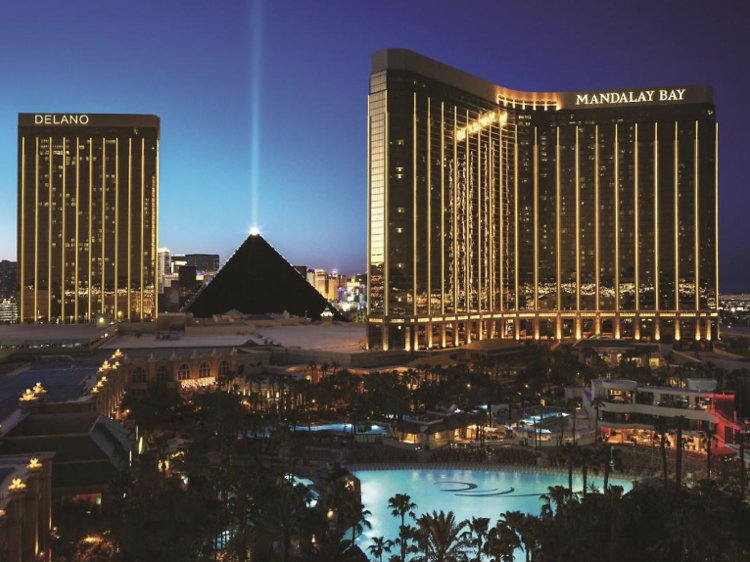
(578, 221)
(104, 223)
(617, 221)
(130, 226)
(414, 164)
(515, 216)
(501, 213)
(636, 235)
(442, 211)
(455, 214)
(155, 230)
(50, 155)
(469, 176)
(536, 220)
(676, 220)
(716, 220)
(696, 207)
(117, 230)
(491, 220)
(91, 218)
(143, 218)
(557, 222)
(78, 195)
(479, 230)
(36, 233)
(22, 236)
(369, 212)
(656, 219)
(597, 281)
(64, 241)
(429, 207)
(386, 274)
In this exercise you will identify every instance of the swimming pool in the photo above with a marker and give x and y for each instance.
(468, 493)
(367, 428)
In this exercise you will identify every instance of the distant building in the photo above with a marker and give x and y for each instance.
(8, 311)
(8, 272)
(87, 217)
(207, 263)
(163, 267)
(258, 280)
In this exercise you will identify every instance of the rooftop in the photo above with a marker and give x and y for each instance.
(345, 338)
(62, 383)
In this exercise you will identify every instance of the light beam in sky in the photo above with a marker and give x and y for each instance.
(256, 17)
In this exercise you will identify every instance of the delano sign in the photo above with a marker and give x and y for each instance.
(50, 119)
(638, 96)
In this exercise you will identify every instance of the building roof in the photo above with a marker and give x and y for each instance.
(62, 383)
(89, 447)
(257, 280)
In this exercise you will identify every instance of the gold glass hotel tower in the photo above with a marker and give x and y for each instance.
(87, 217)
(495, 213)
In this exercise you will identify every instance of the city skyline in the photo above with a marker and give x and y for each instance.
(220, 79)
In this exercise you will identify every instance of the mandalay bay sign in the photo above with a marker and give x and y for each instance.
(632, 96)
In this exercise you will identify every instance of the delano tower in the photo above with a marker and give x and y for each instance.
(495, 213)
(87, 217)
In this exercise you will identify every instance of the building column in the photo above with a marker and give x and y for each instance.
(616, 326)
(676, 336)
(597, 325)
(578, 326)
(31, 528)
(456, 337)
(407, 338)
(536, 327)
(708, 328)
(637, 328)
(517, 328)
(657, 328)
(429, 335)
(14, 523)
(384, 336)
(442, 335)
(698, 334)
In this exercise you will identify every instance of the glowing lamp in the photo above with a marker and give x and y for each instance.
(16, 485)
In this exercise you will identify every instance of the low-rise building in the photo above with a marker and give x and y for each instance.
(629, 411)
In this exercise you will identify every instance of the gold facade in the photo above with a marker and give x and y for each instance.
(535, 219)
(87, 219)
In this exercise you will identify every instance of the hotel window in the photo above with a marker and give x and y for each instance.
(162, 373)
(139, 375)
(223, 368)
(204, 370)
(183, 372)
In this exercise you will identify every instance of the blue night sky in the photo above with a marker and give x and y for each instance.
(269, 96)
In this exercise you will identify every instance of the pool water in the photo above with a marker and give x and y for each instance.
(468, 493)
(362, 429)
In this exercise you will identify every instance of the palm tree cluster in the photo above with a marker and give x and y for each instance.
(648, 523)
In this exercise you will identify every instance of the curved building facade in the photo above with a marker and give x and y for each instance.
(496, 213)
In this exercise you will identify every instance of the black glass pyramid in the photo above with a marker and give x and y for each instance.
(258, 280)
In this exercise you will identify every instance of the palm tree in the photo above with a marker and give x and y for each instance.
(439, 537)
(568, 453)
(503, 542)
(585, 458)
(521, 524)
(662, 429)
(709, 436)
(379, 547)
(597, 403)
(476, 534)
(401, 506)
(680, 424)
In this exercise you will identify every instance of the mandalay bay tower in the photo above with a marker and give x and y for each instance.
(495, 213)
(87, 217)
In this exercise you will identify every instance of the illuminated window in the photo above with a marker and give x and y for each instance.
(204, 370)
(183, 372)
